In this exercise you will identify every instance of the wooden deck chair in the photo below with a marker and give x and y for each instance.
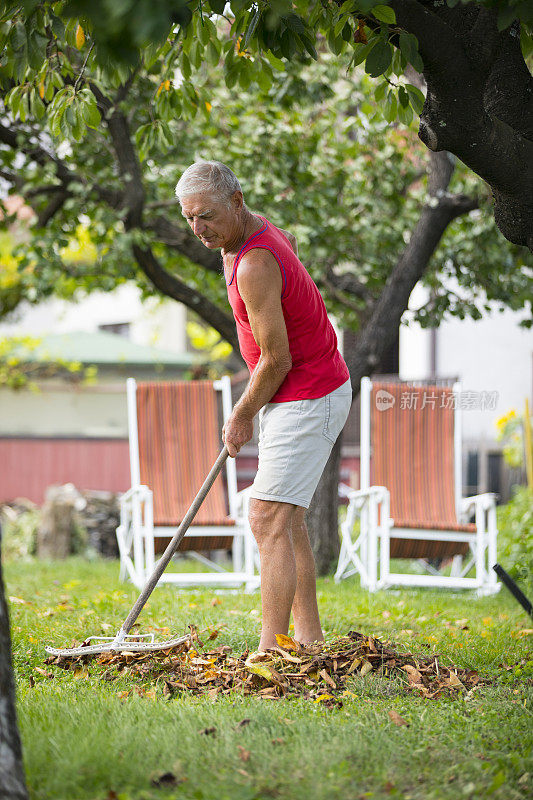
(174, 437)
(409, 505)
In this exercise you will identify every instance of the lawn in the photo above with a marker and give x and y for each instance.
(85, 737)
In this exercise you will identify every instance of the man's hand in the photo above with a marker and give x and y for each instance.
(238, 430)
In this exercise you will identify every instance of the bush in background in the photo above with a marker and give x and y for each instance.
(515, 537)
(19, 532)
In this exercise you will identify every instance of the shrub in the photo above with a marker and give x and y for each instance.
(515, 537)
(19, 533)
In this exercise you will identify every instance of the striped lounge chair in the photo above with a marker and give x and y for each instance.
(409, 505)
(174, 438)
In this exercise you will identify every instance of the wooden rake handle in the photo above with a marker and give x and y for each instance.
(173, 545)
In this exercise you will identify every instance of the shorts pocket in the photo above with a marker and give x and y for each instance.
(336, 409)
(327, 432)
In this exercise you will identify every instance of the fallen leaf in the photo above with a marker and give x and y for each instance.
(208, 731)
(216, 601)
(287, 642)
(323, 697)
(397, 719)
(462, 624)
(453, 680)
(324, 675)
(244, 754)
(414, 675)
(278, 740)
(167, 780)
(243, 723)
(365, 669)
(43, 672)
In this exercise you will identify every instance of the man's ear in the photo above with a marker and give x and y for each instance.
(237, 200)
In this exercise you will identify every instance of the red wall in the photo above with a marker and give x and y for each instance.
(29, 466)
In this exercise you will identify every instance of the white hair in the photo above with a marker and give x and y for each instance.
(209, 177)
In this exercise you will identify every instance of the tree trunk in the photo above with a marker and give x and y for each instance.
(321, 517)
(12, 783)
(379, 328)
(54, 536)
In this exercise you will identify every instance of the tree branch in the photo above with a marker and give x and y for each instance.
(171, 286)
(42, 156)
(184, 242)
(381, 328)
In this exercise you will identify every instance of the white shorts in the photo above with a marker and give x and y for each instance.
(295, 440)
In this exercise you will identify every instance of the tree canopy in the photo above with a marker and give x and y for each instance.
(58, 57)
(95, 145)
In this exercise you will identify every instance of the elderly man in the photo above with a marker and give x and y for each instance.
(299, 384)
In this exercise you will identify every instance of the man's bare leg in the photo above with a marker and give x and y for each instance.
(271, 526)
(307, 626)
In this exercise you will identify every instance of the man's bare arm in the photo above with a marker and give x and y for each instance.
(260, 286)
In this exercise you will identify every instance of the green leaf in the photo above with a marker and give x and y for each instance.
(348, 6)
(218, 6)
(405, 114)
(186, 70)
(379, 93)
(409, 48)
(19, 39)
(390, 111)
(36, 49)
(251, 28)
(288, 45)
(310, 47)
(264, 77)
(506, 16)
(341, 22)
(37, 106)
(379, 59)
(403, 97)
(245, 77)
(416, 96)
(276, 62)
(213, 54)
(91, 115)
(384, 14)
(57, 25)
(196, 54)
(361, 52)
(232, 75)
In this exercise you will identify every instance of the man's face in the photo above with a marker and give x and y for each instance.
(213, 221)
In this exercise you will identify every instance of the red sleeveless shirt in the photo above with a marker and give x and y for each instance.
(317, 366)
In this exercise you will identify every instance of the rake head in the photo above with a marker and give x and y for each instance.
(118, 644)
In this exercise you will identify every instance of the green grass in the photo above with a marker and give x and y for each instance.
(83, 741)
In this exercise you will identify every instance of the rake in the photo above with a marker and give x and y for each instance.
(123, 640)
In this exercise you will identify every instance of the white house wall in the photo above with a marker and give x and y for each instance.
(64, 413)
(492, 355)
(152, 322)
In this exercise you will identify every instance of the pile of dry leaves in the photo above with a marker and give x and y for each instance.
(320, 672)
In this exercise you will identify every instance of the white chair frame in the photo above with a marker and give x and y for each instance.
(369, 553)
(136, 532)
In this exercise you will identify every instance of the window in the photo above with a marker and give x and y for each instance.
(118, 328)
(472, 472)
